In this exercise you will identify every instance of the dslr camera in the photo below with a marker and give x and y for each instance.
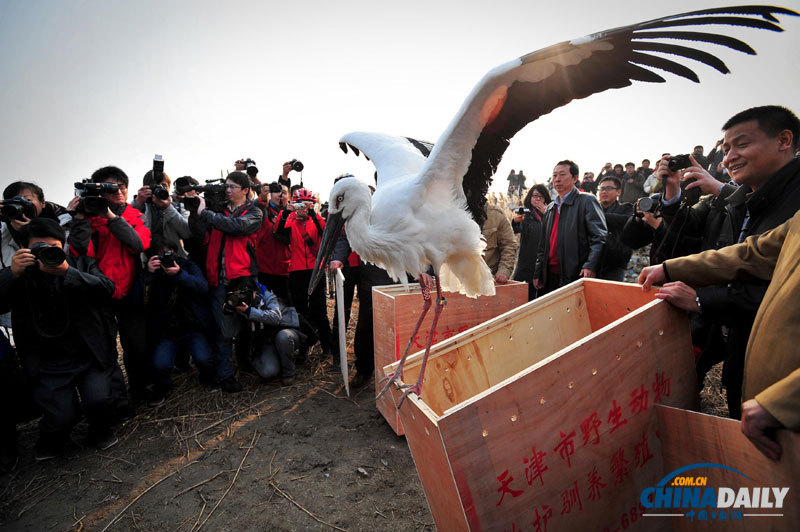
(679, 162)
(92, 203)
(167, 259)
(235, 298)
(48, 255)
(158, 188)
(522, 210)
(17, 208)
(297, 166)
(650, 204)
(213, 192)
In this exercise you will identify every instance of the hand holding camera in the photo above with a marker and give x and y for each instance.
(696, 176)
(49, 259)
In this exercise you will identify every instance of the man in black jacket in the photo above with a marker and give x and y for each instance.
(759, 147)
(573, 233)
(615, 254)
(59, 312)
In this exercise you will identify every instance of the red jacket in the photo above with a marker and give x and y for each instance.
(302, 254)
(238, 242)
(272, 253)
(117, 261)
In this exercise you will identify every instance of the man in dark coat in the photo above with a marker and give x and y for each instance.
(573, 233)
(63, 334)
(615, 254)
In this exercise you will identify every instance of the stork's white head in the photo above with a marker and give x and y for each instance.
(348, 196)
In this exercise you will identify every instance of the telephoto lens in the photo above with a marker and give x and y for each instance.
(48, 255)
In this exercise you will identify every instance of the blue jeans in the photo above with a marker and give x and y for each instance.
(229, 325)
(166, 350)
(277, 357)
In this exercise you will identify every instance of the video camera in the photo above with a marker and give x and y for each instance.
(92, 203)
(48, 255)
(159, 190)
(235, 298)
(213, 192)
(17, 208)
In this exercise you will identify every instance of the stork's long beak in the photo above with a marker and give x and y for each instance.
(333, 227)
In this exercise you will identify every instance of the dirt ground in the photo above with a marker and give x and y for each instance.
(303, 457)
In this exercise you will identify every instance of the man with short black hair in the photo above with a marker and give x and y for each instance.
(632, 184)
(58, 308)
(615, 254)
(573, 233)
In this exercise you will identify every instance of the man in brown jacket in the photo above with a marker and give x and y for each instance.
(501, 246)
(771, 389)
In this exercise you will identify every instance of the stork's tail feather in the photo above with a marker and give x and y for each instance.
(467, 274)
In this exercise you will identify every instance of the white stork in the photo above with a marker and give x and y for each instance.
(419, 215)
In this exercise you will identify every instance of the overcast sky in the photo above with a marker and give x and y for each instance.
(91, 83)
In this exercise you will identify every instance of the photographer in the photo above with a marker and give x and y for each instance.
(272, 250)
(615, 253)
(277, 333)
(179, 320)
(116, 238)
(230, 239)
(529, 226)
(160, 216)
(58, 306)
(303, 227)
(632, 184)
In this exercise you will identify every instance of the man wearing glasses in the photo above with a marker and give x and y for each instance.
(615, 254)
(230, 241)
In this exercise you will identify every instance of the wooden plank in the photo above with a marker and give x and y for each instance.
(432, 464)
(395, 312)
(693, 438)
(495, 439)
(610, 300)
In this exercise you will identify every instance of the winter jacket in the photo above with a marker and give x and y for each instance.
(304, 238)
(168, 222)
(581, 237)
(634, 190)
(530, 233)
(116, 244)
(501, 246)
(615, 253)
(230, 239)
(272, 251)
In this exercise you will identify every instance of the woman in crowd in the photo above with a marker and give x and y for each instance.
(529, 225)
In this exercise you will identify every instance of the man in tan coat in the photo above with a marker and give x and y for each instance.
(501, 246)
(771, 389)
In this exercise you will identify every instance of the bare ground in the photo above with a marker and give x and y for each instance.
(303, 457)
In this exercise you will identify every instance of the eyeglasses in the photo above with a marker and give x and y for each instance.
(606, 189)
(232, 187)
(537, 196)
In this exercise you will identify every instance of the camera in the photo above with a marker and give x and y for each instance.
(679, 162)
(17, 208)
(648, 204)
(167, 259)
(522, 210)
(158, 188)
(235, 298)
(92, 203)
(213, 192)
(299, 206)
(48, 255)
(297, 166)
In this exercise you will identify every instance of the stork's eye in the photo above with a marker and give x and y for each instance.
(339, 199)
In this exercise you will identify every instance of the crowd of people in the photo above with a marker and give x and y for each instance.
(217, 275)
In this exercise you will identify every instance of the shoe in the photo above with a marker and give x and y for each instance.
(124, 413)
(47, 450)
(211, 387)
(104, 439)
(158, 396)
(230, 385)
(157, 400)
(287, 381)
(360, 379)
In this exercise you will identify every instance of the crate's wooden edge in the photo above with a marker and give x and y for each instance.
(557, 354)
(392, 290)
(486, 327)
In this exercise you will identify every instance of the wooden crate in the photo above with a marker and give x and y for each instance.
(395, 312)
(544, 418)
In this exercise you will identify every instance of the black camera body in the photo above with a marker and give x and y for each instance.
(213, 192)
(235, 298)
(648, 204)
(92, 203)
(48, 255)
(679, 162)
(523, 210)
(17, 208)
(167, 259)
(159, 190)
(297, 166)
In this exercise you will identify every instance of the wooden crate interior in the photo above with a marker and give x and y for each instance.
(477, 359)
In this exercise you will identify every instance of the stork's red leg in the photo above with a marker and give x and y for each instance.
(417, 387)
(426, 305)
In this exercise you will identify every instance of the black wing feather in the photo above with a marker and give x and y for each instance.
(604, 70)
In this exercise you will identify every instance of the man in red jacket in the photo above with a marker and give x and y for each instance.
(304, 229)
(272, 250)
(116, 238)
(230, 240)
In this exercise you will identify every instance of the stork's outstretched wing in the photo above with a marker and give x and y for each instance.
(518, 92)
(393, 157)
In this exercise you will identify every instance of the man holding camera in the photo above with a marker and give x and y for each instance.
(230, 238)
(632, 184)
(615, 253)
(501, 245)
(573, 233)
(58, 309)
(116, 236)
(272, 250)
(759, 146)
(153, 200)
